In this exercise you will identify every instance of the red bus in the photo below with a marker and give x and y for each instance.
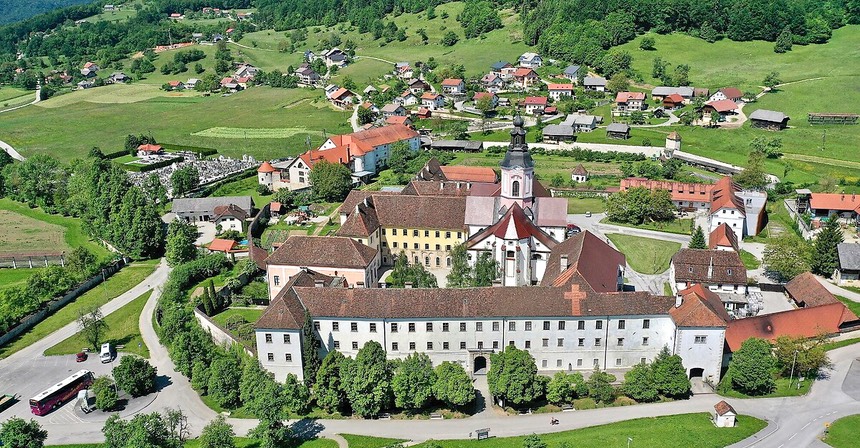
(61, 392)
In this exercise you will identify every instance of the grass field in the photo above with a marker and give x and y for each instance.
(679, 226)
(117, 284)
(73, 235)
(15, 277)
(749, 260)
(582, 205)
(222, 132)
(123, 330)
(839, 344)
(249, 314)
(243, 187)
(34, 130)
(645, 255)
(241, 442)
(356, 441)
(679, 431)
(782, 390)
(113, 94)
(25, 234)
(843, 432)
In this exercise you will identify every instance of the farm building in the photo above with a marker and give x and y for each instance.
(618, 130)
(769, 119)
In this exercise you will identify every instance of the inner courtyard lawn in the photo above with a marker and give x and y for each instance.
(645, 255)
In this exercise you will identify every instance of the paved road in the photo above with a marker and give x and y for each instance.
(11, 151)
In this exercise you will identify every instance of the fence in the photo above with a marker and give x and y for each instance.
(32, 260)
(219, 335)
(801, 224)
(55, 304)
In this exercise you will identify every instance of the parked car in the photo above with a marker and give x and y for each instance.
(81, 357)
(572, 229)
(588, 214)
(106, 354)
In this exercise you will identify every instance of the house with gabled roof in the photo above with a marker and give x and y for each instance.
(453, 86)
(723, 238)
(629, 101)
(535, 105)
(594, 83)
(530, 60)
(492, 82)
(727, 93)
(559, 91)
(579, 174)
(571, 72)
(769, 119)
(718, 270)
(418, 86)
(432, 100)
(497, 67)
(525, 77)
(342, 98)
(407, 98)
(492, 97)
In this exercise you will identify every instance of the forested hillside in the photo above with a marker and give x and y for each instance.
(15, 10)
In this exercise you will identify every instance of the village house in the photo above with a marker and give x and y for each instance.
(393, 110)
(90, 70)
(594, 83)
(335, 57)
(727, 93)
(498, 66)
(508, 73)
(524, 77)
(432, 100)
(230, 84)
(717, 270)
(342, 98)
(571, 72)
(530, 60)
(175, 85)
(204, 209)
(724, 415)
(560, 91)
(618, 131)
(555, 133)
(723, 238)
(418, 86)
(306, 75)
(246, 71)
(582, 123)
(630, 101)
(85, 84)
(118, 77)
(824, 205)
(849, 263)
(579, 174)
(403, 70)
(492, 82)
(229, 217)
(769, 119)
(535, 105)
(424, 113)
(357, 263)
(492, 97)
(191, 84)
(407, 98)
(722, 108)
(660, 93)
(742, 210)
(673, 101)
(453, 86)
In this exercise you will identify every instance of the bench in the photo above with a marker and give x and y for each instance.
(385, 416)
(567, 408)
(436, 416)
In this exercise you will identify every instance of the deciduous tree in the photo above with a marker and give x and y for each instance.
(565, 387)
(217, 434)
(513, 376)
(105, 392)
(453, 385)
(753, 175)
(331, 181)
(180, 247)
(19, 433)
(135, 375)
(331, 382)
(799, 356)
(639, 383)
(369, 381)
(752, 367)
(600, 386)
(224, 375)
(786, 256)
(93, 326)
(670, 375)
(184, 180)
(413, 382)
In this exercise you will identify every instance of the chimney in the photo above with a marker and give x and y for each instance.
(679, 299)
(563, 264)
(711, 268)
(407, 285)
(441, 185)
(319, 283)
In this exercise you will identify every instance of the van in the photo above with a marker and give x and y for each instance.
(86, 401)
(106, 354)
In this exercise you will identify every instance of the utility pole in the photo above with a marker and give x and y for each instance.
(823, 139)
(791, 376)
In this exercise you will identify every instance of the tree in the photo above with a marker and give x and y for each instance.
(184, 180)
(105, 392)
(639, 383)
(682, 75)
(224, 375)
(405, 272)
(400, 155)
(772, 80)
(618, 83)
(564, 388)
(638, 205)
(599, 386)
(799, 356)
(460, 275)
(752, 367)
(708, 33)
(19, 433)
(697, 239)
(297, 397)
(365, 115)
(513, 376)
(331, 382)
(647, 43)
(180, 247)
(93, 326)
(310, 351)
(825, 256)
(413, 382)
(753, 176)
(453, 385)
(135, 375)
(200, 376)
(81, 262)
(485, 105)
(369, 381)
(772, 147)
(785, 257)
(331, 181)
(145, 430)
(534, 441)
(217, 434)
(658, 68)
(486, 270)
(783, 41)
(449, 39)
(638, 117)
(670, 375)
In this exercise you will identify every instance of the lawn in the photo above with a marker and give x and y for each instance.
(73, 235)
(249, 314)
(749, 260)
(24, 234)
(582, 205)
(34, 130)
(852, 305)
(679, 226)
(15, 277)
(839, 344)
(117, 284)
(123, 330)
(244, 187)
(356, 441)
(645, 255)
(782, 390)
(843, 432)
(241, 442)
(679, 431)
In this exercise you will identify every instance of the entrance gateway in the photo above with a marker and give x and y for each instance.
(480, 361)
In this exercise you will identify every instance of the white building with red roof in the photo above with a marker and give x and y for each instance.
(558, 91)
(453, 86)
(629, 101)
(432, 100)
(535, 105)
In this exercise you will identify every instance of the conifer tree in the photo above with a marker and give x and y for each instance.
(697, 239)
(825, 255)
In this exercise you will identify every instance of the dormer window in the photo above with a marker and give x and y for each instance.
(729, 271)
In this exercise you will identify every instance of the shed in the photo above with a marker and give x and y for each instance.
(458, 145)
(769, 119)
(558, 133)
(724, 415)
(579, 174)
(618, 130)
(849, 262)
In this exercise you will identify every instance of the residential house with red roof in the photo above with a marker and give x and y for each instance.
(535, 105)
(723, 238)
(398, 120)
(524, 77)
(629, 101)
(229, 217)
(842, 205)
(432, 100)
(493, 82)
(727, 93)
(722, 108)
(560, 91)
(701, 321)
(673, 101)
(453, 86)
(342, 98)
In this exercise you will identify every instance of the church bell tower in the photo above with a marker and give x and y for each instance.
(518, 169)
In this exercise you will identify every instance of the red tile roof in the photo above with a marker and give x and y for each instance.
(723, 195)
(536, 100)
(478, 95)
(807, 291)
(723, 236)
(723, 105)
(732, 92)
(469, 173)
(700, 307)
(275, 206)
(805, 322)
(679, 191)
(523, 72)
(452, 82)
(675, 98)
(560, 87)
(323, 251)
(229, 210)
(589, 259)
(522, 224)
(339, 154)
(430, 96)
(835, 201)
(222, 245)
(149, 148)
(709, 267)
(341, 93)
(397, 119)
(623, 97)
(286, 312)
(724, 408)
(266, 167)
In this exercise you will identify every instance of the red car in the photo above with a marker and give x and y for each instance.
(81, 357)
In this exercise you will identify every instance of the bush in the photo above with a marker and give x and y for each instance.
(624, 401)
(105, 392)
(135, 375)
(584, 403)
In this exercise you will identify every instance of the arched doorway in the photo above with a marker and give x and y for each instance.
(697, 372)
(480, 365)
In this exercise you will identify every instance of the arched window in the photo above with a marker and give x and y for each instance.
(515, 188)
(438, 261)
(426, 261)
(448, 262)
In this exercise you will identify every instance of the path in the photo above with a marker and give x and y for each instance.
(672, 120)
(11, 151)
(353, 119)
(250, 48)
(357, 57)
(35, 100)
